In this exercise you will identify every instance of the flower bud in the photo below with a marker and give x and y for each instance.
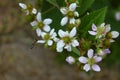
(108, 35)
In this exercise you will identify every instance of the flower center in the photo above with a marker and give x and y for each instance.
(29, 7)
(66, 39)
(91, 61)
(47, 37)
(70, 14)
(101, 30)
(40, 25)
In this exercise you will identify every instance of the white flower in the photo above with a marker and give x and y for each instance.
(90, 62)
(28, 8)
(100, 31)
(48, 38)
(67, 40)
(69, 13)
(70, 60)
(41, 25)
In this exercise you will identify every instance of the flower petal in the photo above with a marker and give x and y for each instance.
(96, 68)
(108, 28)
(64, 21)
(43, 34)
(94, 27)
(47, 21)
(60, 44)
(59, 49)
(63, 10)
(82, 59)
(73, 32)
(52, 31)
(70, 59)
(115, 34)
(34, 23)
(61, 33)
(97, 59)
(68, 47)
(75, 43)
(72, 21)
(72, 6)
(76, 14)
(46, 28)
(38, 31)
(24, 6)
(102, 25)
(40, 41)
(90, 53)
(107, 51)
(92, 33)
(86, 67)
(50, 42)
(39, 17)
(34, 11)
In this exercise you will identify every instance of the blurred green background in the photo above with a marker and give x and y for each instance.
(19, 62)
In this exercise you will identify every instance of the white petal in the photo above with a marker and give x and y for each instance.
(70, 59)
(82, 59)
(76, 13)
(90, 53)
(63, 10)
(43, 34)
(60, 44)
(52, 31)
(73, 32)
(96, 67)
(40, 41)
(53, 35)
(111, 40)
(61, 33)
(108, 28)
(115, 34)
(47, 21)
(102, 25)
(75, 43)
(60, 49)
(39, 32)
(72, 6)
(34, 23)
(72, 21)
(56, 39)
(24, 6)
(64, 21)
(50, 42)
(92, 33)
(39, 17)
(68, 47)
(86, 67)
(106, 51)
(97, 59)
(34, 11)
(94, 27)
(46, 28)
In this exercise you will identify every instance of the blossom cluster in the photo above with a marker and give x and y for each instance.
(65, 40)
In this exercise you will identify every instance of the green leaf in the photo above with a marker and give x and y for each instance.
(76, 51)
(84, 5)
(96, 17)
